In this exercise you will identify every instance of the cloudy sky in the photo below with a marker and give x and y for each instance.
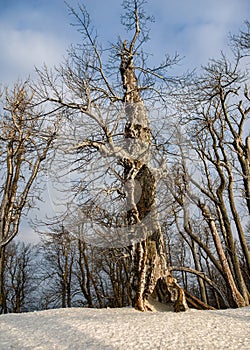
(33, 32)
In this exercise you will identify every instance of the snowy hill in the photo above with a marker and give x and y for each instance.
(114, 329)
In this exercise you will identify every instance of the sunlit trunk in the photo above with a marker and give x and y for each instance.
(236, 295)
(149, 270)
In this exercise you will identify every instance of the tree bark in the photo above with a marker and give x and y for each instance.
(205, 278)
(149, 272)
(236, 295)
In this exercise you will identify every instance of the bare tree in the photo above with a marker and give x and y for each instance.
(212, 178)
(242, 41)
(108, 104)
(20, 278)
(74, 273)
(26, 138)
(56, 269)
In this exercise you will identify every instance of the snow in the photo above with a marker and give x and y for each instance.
(114, 329)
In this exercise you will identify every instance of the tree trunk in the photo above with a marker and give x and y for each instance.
(197, 264)
(205, 278)
(149, 271)
(3, 305)
(236, 295)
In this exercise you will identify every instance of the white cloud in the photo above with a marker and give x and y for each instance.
(24, 49)
(196, 29)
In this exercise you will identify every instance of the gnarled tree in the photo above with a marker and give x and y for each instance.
(107, 104)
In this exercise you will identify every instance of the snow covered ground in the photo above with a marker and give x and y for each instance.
(125, 329)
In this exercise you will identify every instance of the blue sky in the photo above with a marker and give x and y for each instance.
(33, 32)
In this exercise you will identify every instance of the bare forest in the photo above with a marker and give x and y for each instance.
(150, 174)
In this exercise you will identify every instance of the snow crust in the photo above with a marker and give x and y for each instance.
(114, 329)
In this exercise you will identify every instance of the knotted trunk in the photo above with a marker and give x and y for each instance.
(149, 271)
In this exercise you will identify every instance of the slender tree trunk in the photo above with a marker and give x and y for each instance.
(237, 219)
(3, 304)
(236, 295)
(149, 266)
(246, 168)
(243, 153)
(197, 264)
(84, 277)
(205, 278)
(192, 244)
